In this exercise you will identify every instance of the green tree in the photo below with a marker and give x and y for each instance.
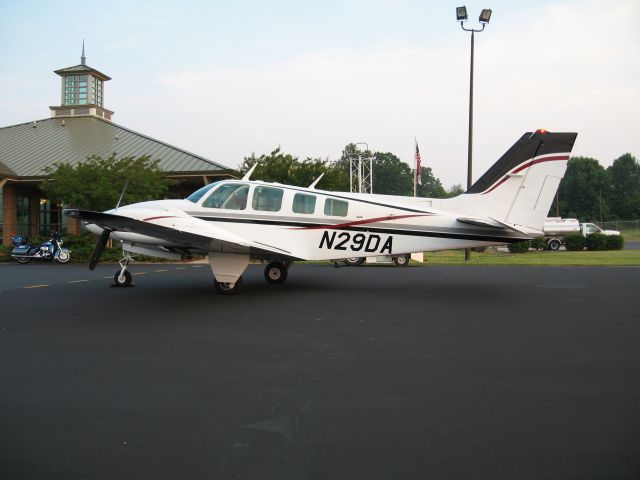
(455, 190)
(623, 192)
(431, 186)
(289, 170)
(97, 182)
(580, 190)
(391, 176)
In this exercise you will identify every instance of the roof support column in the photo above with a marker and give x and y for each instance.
(9, 213)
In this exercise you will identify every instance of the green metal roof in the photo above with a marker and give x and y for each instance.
(82, 69)
(27, 148)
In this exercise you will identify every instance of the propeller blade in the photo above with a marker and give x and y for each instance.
(97, 251)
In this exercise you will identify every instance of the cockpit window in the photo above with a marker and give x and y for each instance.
(231, 195)
(198, 194)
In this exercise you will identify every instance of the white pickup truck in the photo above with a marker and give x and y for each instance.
(555, 229)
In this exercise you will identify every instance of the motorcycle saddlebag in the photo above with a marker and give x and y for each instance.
(20, 250)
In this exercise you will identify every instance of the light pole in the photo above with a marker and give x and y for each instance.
(485, 16)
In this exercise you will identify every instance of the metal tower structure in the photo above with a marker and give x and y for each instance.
(361, 171)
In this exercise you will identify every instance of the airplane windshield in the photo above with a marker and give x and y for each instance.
(198, 194)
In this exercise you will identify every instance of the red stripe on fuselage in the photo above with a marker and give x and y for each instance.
(527, 165)
(156, 218)
(338, 226)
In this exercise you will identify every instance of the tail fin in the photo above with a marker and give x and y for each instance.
(519, 188)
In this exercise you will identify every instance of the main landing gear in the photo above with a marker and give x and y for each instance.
(123, 278)
(276, 272)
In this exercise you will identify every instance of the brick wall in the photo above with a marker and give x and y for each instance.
(9, 213)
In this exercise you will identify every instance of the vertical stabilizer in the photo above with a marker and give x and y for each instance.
(520, 187)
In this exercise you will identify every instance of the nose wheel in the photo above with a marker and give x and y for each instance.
(123, 278)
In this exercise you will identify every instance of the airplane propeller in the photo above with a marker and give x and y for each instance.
(99, 248)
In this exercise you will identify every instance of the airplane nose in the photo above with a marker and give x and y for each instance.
(93, 228)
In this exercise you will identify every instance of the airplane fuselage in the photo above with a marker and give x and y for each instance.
(311, 224)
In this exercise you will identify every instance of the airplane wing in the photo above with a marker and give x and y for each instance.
(184, 233)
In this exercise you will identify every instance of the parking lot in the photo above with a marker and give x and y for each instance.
(369, 372)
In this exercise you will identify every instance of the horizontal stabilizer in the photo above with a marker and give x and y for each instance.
(530, 232)
(480, 222)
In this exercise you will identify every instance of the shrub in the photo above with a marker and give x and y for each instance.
(5, 253)
(596, 241)
(574, 241)
(519, 247)
(614, 242)
(538, 243)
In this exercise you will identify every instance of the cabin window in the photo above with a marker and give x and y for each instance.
(232, 196)
(267, 199)
(335, 208)
(304, 203)
(198, 194)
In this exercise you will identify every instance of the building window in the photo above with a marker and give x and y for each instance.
(23, 215)
(96, 91)
(75, 90)
(49, 218)
(1, 211)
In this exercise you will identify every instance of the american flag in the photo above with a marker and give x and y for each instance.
(418, 166)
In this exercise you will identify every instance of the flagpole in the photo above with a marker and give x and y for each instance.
(415, 172)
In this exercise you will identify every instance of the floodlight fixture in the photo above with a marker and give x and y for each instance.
(485, 15)
(461, 14)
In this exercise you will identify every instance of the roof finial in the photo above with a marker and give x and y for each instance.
(83, 59)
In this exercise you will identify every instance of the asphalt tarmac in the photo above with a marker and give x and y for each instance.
(372, 372)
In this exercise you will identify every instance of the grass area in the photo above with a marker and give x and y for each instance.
(631, 235)
(540, 257)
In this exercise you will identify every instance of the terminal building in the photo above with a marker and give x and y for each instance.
(78, 128)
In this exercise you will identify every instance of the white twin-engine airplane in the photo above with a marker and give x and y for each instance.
(237, 222)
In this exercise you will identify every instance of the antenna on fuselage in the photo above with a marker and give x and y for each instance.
(248, 174)
(124, 189)
(315, 182)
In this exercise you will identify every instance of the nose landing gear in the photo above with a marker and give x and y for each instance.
(123, 278)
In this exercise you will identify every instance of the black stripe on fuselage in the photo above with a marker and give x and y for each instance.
(387, 231)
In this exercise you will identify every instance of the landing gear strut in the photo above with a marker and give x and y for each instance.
(122, 278)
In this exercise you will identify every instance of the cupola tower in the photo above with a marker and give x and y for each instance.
(82, 91)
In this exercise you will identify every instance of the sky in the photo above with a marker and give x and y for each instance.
(225, 79)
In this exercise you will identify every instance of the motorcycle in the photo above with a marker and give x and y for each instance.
(50, 250)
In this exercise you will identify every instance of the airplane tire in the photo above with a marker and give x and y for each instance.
(554, 245)
(354, 261)
(225, 288)
(122, 280)
(275, 272)
(402, 260)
